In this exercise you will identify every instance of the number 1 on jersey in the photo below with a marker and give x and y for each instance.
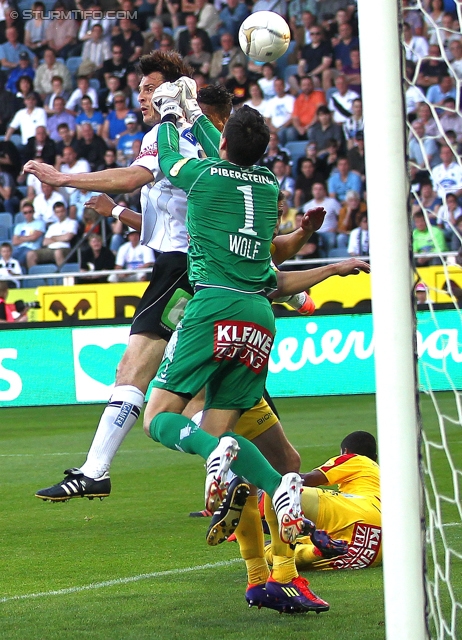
(249, 211)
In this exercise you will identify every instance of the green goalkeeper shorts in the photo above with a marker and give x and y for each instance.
(222, 343)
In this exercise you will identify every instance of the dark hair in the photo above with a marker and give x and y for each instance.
(31, 84)
(247, 137)
(58, 204)
(216, 96)
(63, 125)
(6, 244)
(322, 109)
(168, 63)
(85, 97)
(57, 78)
(361, 442)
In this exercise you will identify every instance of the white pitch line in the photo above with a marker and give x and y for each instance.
(117, 581)
(61, 453)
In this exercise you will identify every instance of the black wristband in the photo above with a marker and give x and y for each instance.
(170, 117)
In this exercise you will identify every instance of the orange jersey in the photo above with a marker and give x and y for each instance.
(305, 107)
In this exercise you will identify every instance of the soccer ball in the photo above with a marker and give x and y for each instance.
(264, 36)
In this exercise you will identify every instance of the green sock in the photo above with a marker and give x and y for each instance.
(253, 466)
(179, 433)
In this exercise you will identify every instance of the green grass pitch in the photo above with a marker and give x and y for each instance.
(135, 565)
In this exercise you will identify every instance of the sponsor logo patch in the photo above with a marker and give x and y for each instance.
(247, 342)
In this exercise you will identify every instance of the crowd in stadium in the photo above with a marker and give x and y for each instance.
(68, 97)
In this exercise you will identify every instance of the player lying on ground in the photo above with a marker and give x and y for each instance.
(352, 513)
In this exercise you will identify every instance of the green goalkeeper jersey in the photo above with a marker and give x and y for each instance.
(232, 214)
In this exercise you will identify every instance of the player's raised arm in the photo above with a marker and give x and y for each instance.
(122, 180)
(291, 282)
(288, 245)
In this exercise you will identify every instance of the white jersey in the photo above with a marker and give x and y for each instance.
(163, 206)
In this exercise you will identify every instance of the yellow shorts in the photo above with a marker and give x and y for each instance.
(256, 421)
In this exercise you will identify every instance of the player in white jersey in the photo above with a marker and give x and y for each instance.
(162, 228)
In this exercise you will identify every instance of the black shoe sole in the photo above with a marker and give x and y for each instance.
(226, 519)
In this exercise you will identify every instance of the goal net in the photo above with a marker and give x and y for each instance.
(432, 43)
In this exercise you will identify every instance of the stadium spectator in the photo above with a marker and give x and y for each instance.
(198, 59)
(356, 158)
(346, 42)
(49, 69)
(114, 123)
(83, 89)
(343, 180)
(432, 67)
(126, 152)
(9, 266)
(11, 50)
(132, 91)
(59, 116)
(447, 215)
(301, 22)
(232, 15)
(341, 100)
(90, 116)
(450, 120)
(413, 17)
(324, 130)
(185, 36)
(304, 112)
(257, 100)
(421, 293)
(354, 124)
(40, 145)
(57, 91)
(7, 109)
(320, 166)
(27, 236)
(309, 251)
(77, 204)
(57, 240)
(358, 243)
(414, 95)
(132, 255)
(238, 85)
(106, 94)
(426, 240)
(109, 160)
(207, 17)
(415, 47)
(24, 68)
(437, 93)
(225, 58)
(456, 63)
(68, 138)
(278, 112)
(286, 183)
(61, 33)
(27, 120)
(424, 114)
(44, 203)
(153, 37)
(93, 15)
(116, 66)
(352, 513)
(433, 16)
(328, 230)
(35, 29)
(426, 199)
(24, 87)
(6, 312)
(267, 79)
(349, 217)
(274, 151)
(129, 40)
(417, 138)
(95, 258)
(448, 32)
(447, 176)
(304, 182)
(352, 71)
(318, 56)
(97, 48)
(90, 146)
(73, 164)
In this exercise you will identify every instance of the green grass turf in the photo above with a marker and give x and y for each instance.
(144, 529)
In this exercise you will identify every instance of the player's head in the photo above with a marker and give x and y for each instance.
(245, 137)
(216, 104)
(155, 68)
(361, 442)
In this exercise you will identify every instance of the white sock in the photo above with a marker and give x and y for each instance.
(197, 418)
(119, 416)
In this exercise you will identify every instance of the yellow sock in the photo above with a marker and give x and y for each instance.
(284, 569)
(249, 534)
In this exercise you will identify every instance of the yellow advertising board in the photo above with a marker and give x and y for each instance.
(107, 301)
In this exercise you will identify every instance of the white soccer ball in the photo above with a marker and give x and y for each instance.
(264, 36)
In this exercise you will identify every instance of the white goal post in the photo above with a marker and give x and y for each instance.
(393, 319)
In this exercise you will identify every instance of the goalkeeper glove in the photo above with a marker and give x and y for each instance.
(166, 100)
(188, 99)
(300, 302)
(327, 546)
